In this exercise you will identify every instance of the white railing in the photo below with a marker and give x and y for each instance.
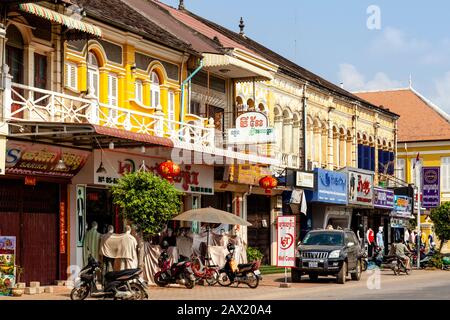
(34, 104)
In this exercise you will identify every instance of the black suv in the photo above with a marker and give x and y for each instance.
(328, 252)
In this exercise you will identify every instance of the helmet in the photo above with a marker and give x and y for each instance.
(230, 247)
(164, 245)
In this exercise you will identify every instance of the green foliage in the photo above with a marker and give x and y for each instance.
(441, 220)
(254, 254)
(147, 200)
(436, 261)
(412, 224)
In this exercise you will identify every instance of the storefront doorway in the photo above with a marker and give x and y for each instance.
(31, 214)
(100, 208)
(258, 234)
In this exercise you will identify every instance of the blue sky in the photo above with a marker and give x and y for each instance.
(332, 39)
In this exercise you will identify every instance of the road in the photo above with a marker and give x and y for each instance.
(423, 284)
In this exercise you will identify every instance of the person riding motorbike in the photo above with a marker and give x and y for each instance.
(400, 251)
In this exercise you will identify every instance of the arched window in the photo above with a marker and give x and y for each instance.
(278, 127)
(287, 132)
(14, 54)
(349, 148)
(155, 92)
(342, 148)
(93, 74)
(335, 147)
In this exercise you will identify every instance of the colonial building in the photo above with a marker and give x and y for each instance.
(423, 134)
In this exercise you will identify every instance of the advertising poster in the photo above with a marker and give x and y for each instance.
(360, 188)
(7, 264)
(330, 186)
(81, 214)
(431, 187)
(286, 241)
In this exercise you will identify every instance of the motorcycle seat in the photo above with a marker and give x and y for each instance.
(123, 273)
(245, 266)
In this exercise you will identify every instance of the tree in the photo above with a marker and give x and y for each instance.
(441, 220)
(147, 200)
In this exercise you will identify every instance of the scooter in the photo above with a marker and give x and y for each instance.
(425, 258)
(243, 273)
(392, 262)
(123, 285)
(180, 272)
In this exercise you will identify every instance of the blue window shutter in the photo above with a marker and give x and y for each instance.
(360, 156)
(380, 161)
(372, 159)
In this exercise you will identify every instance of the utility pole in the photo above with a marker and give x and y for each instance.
(419, 234)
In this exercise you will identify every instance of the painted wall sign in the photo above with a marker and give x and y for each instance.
(431, 187)
(360, 188)
(304, 179)
(251, 135)
(330, 186)
(383, 198)
(286, 241)
(39, 159)
(193, 178)
(62, 228)
(252, 120)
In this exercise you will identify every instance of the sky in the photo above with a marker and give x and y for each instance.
(366, 45)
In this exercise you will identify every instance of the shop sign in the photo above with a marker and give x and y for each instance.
(402, 205)
(62, 228)
(398, 223)
(431, 187)
(247, 174)
(304, 179)
(192, 179)
(251, 135)
(383, 198)
(252, 120)
(360, 189)
(81, 213)
(39, 159)
(7, 264)
(330, 186)
(286, 241)
(30, 181)
(2, 155)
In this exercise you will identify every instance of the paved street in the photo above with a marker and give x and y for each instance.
(419, 285)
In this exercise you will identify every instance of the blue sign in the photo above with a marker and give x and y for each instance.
(330, 186)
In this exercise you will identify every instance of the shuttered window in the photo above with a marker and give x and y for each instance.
(93, 75)
(71, 77)
(138, 91)
(113, 90)
(445, 174)
(171, 110)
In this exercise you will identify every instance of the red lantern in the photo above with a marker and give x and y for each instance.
(268, 183)
(169, 170)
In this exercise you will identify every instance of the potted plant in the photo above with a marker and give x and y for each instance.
(16, 291)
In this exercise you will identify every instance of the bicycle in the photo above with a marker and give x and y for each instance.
(207, 272)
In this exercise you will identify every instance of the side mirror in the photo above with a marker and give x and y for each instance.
(299, 243)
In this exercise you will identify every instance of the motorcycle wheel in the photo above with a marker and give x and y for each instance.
(80, 293)
(213, 278)
(190, 283)
(138, 291)
(364, 265)
(252, 280)
(159, 282)
(224, 280)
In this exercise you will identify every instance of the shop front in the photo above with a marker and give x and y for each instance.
(328, 200)
(90, 189)
(399, 218)
(33, 206)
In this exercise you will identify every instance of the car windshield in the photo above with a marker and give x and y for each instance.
(324, 239)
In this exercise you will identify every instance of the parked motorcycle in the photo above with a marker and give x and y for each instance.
(365, 261)
(124, 285)
(425, 258)
(393, 262)
(243, 273)
(179, 272)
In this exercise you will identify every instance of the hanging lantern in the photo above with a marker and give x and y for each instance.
(268, 183)
(169, 170)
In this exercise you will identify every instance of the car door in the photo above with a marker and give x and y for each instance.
(351, 250)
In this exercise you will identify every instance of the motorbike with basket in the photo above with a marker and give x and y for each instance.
(239, 273)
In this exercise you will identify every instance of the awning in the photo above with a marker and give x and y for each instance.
(233, 68)
(60, 18)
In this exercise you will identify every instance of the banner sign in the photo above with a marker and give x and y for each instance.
(81, 214)
(39, 159)
(304, 179)
(330, 186)
(360, 188)
(383, 198)
(252, 119)
(286, 245)
(192, 179)
(7, 265)
(431, 187)
(62, 228)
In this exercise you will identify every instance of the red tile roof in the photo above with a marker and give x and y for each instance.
(420, 120)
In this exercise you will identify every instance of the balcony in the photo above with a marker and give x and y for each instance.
(25, 103)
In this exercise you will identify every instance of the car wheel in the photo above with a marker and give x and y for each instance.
(313, 277)
(357, 275)
(296, 275)
(342, 273)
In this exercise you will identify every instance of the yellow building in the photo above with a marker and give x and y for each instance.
(424, 132)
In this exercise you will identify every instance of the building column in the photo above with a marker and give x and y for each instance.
(330, 140)
(375, 142)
